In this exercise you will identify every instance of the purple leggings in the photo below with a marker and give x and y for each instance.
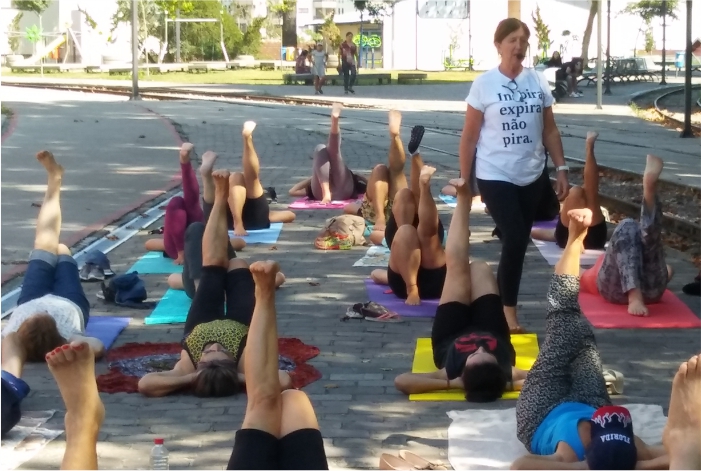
(181, 212)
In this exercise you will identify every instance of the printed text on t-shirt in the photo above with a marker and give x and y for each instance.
(513, 125)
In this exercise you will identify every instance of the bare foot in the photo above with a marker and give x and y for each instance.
(459, 184)
(237, 243)
(46, 159)
(637, 307)
(591, 137)
(185, 151)
(682, 434)
(221, 184)
(395, 122)
(181, 259)
(73, 367)
(325, 200)
(265, 275)
(208, 159)
(580, 220)
(336, 110)
(248, 128)
(426, 174)
(412, 298)
(653, 169)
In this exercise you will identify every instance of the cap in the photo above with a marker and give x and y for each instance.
(158, 441)
(612, 441)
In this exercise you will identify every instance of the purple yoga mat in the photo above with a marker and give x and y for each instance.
(390, 301)
(546, 224)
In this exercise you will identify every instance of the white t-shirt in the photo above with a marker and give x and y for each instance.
(68, 316)
(510, 146)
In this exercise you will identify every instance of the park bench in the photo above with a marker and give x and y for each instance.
(335, 79)
(206, 67)
(47, 67)
(407, 77)
(269, 65)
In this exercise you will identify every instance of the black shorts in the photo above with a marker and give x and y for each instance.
(486, 313)
(391, 229)
(256, 449)
(429, 281)
(594, 240)
(255, 213)
(222, 295)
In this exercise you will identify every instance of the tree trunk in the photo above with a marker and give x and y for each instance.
(587, 32)
(289, 28)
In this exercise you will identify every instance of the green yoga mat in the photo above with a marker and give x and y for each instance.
(171, 309)
(154, 263)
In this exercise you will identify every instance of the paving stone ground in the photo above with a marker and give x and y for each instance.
(360, 413)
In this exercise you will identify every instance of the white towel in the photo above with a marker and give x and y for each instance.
(486, 439)
(376, 256)
(552, 253)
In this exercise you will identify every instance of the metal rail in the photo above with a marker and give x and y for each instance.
(664, 115)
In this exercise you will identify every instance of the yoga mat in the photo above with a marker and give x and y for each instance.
(262, 236)
(171, 309)
(154, 263)
(486, 439)
(552, 253)
(669, 313)
(106, 328)
(547, 224)
(27, 439)
(452, 201)
(526, 346)
(376, 256)
(376, 293)
(306, 203)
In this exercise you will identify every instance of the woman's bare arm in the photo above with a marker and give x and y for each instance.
(468, 141)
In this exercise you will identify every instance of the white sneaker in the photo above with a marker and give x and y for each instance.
(574, 95)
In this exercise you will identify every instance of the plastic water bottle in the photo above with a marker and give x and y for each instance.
(159, 455)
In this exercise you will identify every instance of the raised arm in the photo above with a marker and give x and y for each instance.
(163, 383)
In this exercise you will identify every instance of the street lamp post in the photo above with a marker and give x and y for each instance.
(135, 50)
(608, 49)
(664, 42)
(687, 132)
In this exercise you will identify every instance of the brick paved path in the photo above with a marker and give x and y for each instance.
(360, 412)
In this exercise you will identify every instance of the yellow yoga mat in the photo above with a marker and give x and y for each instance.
(526, 346)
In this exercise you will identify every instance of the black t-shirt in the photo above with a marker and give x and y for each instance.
(572, 65)
(468, 342)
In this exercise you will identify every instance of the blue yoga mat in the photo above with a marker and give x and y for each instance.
(262, 236)
(105, 328)
(154, 263)
(451, 201)
(171, 309)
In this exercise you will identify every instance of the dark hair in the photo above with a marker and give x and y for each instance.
(217, 378)
(349, 33)
(38, 335)
(508, 26)
(483, 382)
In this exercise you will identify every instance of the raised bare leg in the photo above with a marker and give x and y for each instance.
(283, 216)
(405, 207)
(405, 259)
(682, 434)
(251, 165)
(73, 367)
(397, 157)
(417, 164)
(378, 193)
(236, 200)
(216, 235)
(580, 220)
(49, 219)
(432, 253)
(458, 286)
(653, 169)
(208, 160)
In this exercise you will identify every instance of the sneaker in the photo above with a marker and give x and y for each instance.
(346, 92)
(321, 92)
(693, 288)
(316, 92)
(574, 95)
(352, 91)
(84, 273)
(417, 133)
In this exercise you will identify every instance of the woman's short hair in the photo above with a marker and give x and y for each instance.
(483, 382)
(38, 335)
(508, 26)
(217, 378)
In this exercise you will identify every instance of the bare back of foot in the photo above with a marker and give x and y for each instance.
(47, 159)
(682, 434)
(336, 109)
(426, 174)
(208, 160)
(248, 128)
(221, 184)
(395, 122)
(265, 274)
(185, 152)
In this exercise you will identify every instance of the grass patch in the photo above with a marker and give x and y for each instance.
(5, 110)
(236, 77)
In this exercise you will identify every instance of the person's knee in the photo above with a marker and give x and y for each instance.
(177, 202)
(406, 238)
(154, 245)
(404, 199)
(64, 250)
(175, 281)
(627, 231)
(380, 173)
(379, 276)
(237, 179)
(236, 263)
(297, 412)
(237, 243)
(576, 199)
(481, 271)
(351, 208)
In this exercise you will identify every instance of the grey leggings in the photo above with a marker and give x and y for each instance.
(328, 166)
(192, 266)
(635, 259)
(568, 367)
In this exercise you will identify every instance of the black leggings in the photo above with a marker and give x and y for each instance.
(513, 208)
(255, 213)
(192, 266)
(256, 449)
(218, 290)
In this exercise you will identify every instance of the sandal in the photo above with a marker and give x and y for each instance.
(388, 461)
(156, 231)
(375, 312)
(417, 133)
(614, 382)
(420, 463)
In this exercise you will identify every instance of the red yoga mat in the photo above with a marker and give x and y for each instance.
(669, 313)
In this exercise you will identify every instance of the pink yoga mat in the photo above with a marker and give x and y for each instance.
(390, 301)
(546, 224)
(669, 313)
(306, 203)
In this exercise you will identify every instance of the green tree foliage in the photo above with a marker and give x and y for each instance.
(331, 33)
(37, 6)
(14, 36)
(542, 32)
(647, 10)
(374, 10)
(172, 6)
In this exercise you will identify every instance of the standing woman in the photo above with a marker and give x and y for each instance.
(508, 124)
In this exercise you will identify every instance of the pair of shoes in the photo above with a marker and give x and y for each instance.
(92, 272)
(576, 95)
(352, 91)
(408, 460)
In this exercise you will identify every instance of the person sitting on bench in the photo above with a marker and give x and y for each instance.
(331, 179)
(470, 336)
(570, 72)
(215, 334)
(414, 234)
(586, 196)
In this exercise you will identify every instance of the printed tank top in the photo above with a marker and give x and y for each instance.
(227, 332)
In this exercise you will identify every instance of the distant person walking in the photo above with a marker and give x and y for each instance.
(348, 52)
(319, 58)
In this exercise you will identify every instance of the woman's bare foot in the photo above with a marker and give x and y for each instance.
(221, 184)
(653, 169)
(185, 151)
(52, 167)
(636, 304)
(208, 160)
(73, 367)
(412, 296)
(591, 137)
(682, 434)
(180, 259)
(395, 122)
(248, 128)
(426, 174)
(336, 109)
(265, 275)
(448, 190)
(582, 219)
